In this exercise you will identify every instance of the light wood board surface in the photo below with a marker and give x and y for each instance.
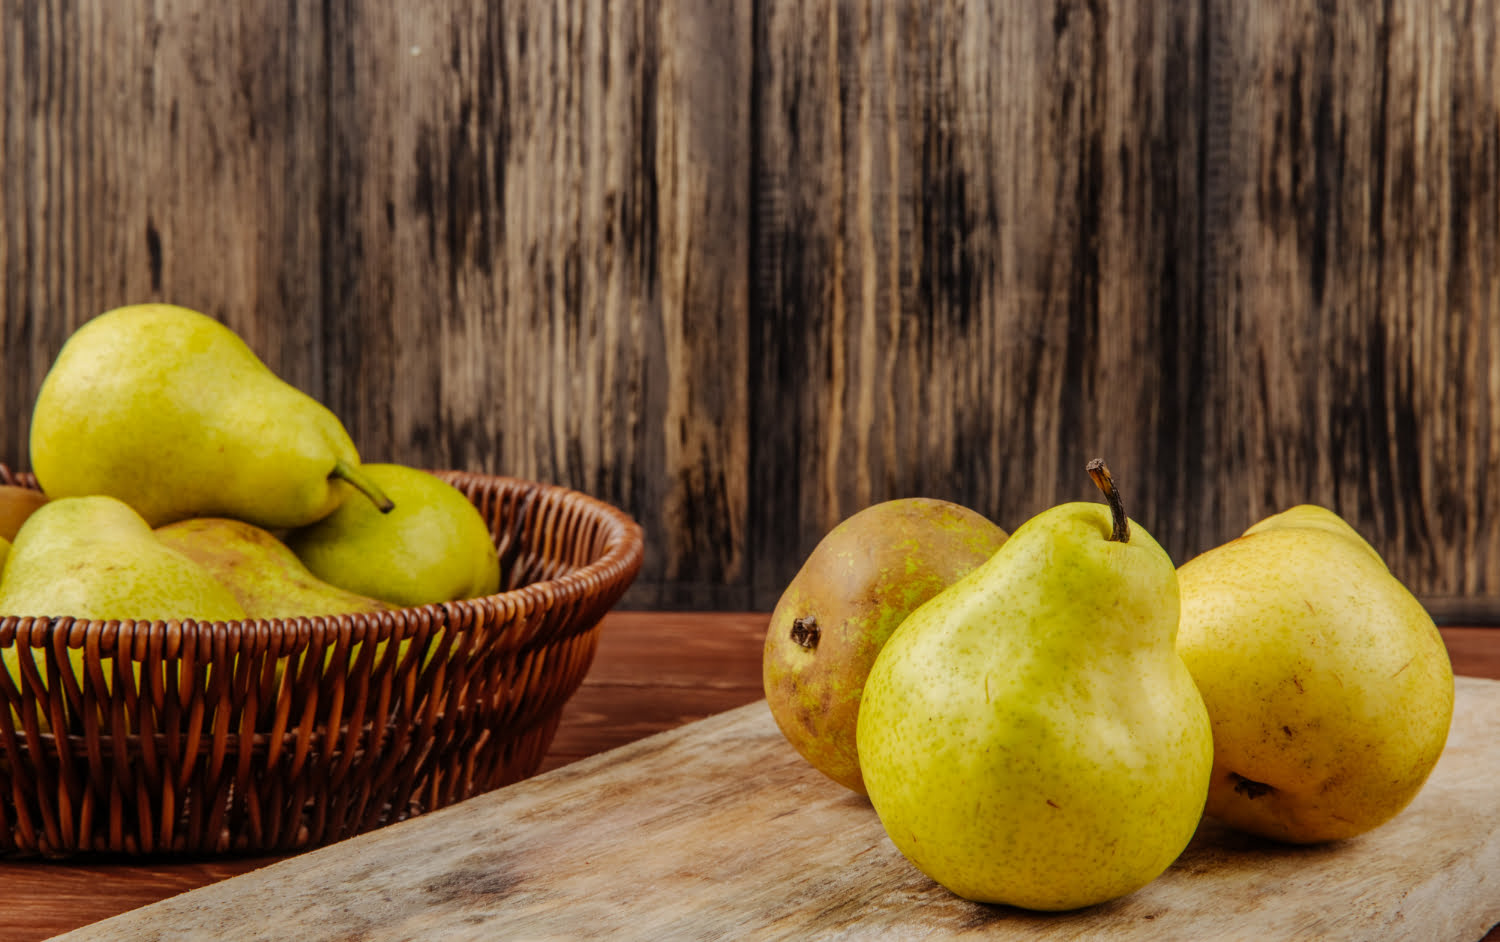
(718, 830)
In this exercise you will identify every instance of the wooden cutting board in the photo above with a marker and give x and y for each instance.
(718, 830)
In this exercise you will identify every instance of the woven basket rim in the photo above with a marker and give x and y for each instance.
(620, 561)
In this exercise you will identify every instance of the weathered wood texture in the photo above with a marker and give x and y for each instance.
(745, 267)
(537, 254)
(720, 830)
(160, 150)
(654, 671)
(1353, 278)
(977, 254)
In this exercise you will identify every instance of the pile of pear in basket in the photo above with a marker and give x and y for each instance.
(233, 637)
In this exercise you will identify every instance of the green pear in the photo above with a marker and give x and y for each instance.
(1329, 687)
(1029, 736)
(4, 553)
(266, 577)
(170, 411)
(433, 547)
(862, 579)
(95, 558)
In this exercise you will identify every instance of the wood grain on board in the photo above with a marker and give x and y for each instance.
(745, 267)
(719, 830)
(654, 671)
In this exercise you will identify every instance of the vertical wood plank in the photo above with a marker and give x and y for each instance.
(745, 267)
(981, 223)
(158, 151)
(703, 162)
(1354, 294)
(537, 265)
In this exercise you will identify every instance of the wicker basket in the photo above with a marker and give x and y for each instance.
(265, 736)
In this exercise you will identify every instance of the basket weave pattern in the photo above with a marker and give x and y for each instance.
(188, 738)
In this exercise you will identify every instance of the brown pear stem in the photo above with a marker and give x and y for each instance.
(1100, 473)
(360, 481)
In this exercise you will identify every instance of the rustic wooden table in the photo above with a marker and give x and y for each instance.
(653, 671)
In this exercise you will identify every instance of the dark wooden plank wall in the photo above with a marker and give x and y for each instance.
(745, 267)
(1353, 296)
(977, 257)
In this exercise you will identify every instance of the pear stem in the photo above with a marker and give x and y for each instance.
(1100, 473)
(360, 481)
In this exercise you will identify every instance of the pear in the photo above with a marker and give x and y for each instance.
(433, 547)
(16, 504)
(170, 411)
(1029, 736)
(95, 558)
(266, 577)
(1329, 687)
(4, 553)
(862, 579)
(1313, 517)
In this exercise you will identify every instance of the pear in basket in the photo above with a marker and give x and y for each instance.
(434, 546)
(95, 558)
(171, 412)
(266, 577)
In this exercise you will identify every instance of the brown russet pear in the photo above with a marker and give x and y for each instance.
(16, 504)
(171, 412)
(1329, 686)
(860, 581)
(433, 547)
(266, 577)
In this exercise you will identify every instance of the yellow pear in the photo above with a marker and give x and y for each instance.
(95, 558)
(170, 411)
(1328, 685)
(266, 577)
(1029, 735)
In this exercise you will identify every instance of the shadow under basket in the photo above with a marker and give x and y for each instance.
(274, 735)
